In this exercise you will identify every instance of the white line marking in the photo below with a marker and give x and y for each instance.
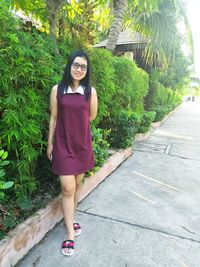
(184, 265)
(152, 202)
(156, 181)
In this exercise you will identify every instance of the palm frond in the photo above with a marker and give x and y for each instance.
(159, 24)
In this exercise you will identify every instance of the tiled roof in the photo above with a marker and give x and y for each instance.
(126, 37)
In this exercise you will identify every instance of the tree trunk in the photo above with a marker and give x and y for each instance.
(119, 8)
(53, 7)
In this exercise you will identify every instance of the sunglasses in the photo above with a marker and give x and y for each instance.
(76, 65)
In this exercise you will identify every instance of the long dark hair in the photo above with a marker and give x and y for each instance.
(67, 78)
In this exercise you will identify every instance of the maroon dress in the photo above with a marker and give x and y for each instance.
(72, 147)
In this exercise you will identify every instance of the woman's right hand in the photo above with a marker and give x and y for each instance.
(49, 151)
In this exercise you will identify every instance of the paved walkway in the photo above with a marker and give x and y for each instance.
(146, 213)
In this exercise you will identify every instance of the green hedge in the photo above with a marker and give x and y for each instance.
(131, 85)
(103, 79)
(119, 82)
(100, 146)
(123, 127)
(27, 75)
(146, 120)
(161, 99)
(125, 124)
(160, 112)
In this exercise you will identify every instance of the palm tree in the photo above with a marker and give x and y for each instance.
(156, 19)
(119, 8)
(160, 25)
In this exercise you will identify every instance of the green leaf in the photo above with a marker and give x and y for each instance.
(1, 152)
(2, 195)
(5, 154)
(4, 163)
(2, 173)
(7, 185)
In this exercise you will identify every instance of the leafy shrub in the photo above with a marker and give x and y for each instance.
(161, 112)
(120, 85)
(160, 95)
(3, 184)
(145, 122)
(162, 99)
(103, 77)
(123, 127)
(131, 85)
(27, 69)
(100, 146)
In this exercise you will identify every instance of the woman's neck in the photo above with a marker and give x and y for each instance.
(75, 85)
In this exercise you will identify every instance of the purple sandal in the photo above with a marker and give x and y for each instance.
(70, 245)
(77, 229)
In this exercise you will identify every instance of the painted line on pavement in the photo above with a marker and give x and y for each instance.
(156, 181)
(139, 195)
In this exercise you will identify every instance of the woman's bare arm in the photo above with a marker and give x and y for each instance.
(53, 118)
(93, 104)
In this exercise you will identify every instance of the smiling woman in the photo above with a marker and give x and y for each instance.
(73, 105)
(193, 7)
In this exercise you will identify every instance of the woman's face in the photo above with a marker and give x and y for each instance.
(79, 68)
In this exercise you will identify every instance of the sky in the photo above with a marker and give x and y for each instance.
(193, 12)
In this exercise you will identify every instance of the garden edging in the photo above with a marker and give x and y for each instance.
(30, 232)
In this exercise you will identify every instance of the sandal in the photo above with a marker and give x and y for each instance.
(70, 245)
(77, 229)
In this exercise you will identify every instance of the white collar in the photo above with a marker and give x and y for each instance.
(79, 90)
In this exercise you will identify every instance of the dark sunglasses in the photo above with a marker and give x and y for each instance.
(76, 65)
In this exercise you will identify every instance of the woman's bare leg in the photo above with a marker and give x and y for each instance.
(78, 179)
(68, 185)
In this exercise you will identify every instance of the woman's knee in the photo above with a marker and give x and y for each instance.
(68, 186)
(68, 190)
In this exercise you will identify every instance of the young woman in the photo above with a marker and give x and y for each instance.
(73, 105)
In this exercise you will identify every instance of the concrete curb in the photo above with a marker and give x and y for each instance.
(143, 136)
(29, 233)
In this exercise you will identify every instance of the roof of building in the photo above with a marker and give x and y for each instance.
(127, 37)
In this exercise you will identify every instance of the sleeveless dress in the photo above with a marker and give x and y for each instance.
(72, 147)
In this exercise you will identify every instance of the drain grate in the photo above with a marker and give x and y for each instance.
(152, 147)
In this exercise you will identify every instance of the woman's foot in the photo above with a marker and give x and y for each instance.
(68, 247)
(77, 229)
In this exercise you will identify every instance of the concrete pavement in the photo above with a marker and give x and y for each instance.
(146, 213)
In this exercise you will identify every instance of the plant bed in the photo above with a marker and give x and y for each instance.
(28, 233)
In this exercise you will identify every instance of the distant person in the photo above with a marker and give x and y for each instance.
(193, 98)
(73, 104)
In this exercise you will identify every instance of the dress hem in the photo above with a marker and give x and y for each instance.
(72, 173)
